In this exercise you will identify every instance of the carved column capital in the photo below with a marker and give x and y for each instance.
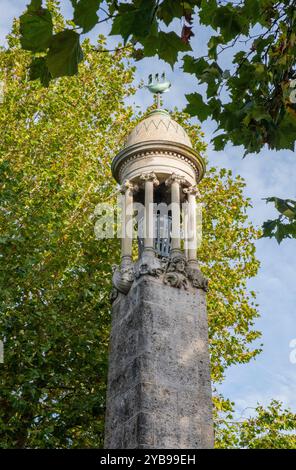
(175, 178)
(192, 190)
(128, 185)
(150, 176)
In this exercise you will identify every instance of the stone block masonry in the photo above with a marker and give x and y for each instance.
(159, 390)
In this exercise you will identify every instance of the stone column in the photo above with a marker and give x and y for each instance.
(185, 228)
(192, 192)
(175, 182)
(127, 190)
(150, 181)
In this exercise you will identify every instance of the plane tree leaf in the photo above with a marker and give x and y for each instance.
(169, 45)
(134, 19)
(39, 70)
(85, 13)
(64, 54)
(197, 104)
(285, 225)
(36, 27)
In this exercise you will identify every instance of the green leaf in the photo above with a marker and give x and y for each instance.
(197, 107)
(134, 20)
(205, 71)
(286, 207)
(196, 66)
(34, 5)
(260, 43)
(39, 69)
(150, 44)
(268, 227)
(212, 46)
(64, 54)
(207, 10)
(215, 106)
(219, 142)
(253, 112)
(251, 9)
(284, 137)
(170, 9)
(85, 13)
(209, 73)
(228, 20)
(238, 57)
(36, 27)
(169, 45)
(279, 230)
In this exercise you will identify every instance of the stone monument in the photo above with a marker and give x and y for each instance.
(159, 389)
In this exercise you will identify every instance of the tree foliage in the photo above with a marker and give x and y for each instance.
(227, 257)
(55, 153)
(259, 109)
(272, 427)
(285, 225)
(251, 96)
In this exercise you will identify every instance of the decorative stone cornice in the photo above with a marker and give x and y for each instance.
(160, 154)
(161, 149)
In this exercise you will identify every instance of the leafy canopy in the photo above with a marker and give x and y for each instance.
(249, 93)
(285, 225)
(56, 148)
(272, 427)
(259, 108)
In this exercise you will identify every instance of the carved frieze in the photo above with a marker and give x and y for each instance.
(176, 272)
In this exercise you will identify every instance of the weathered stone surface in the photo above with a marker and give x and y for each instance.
(159, 392)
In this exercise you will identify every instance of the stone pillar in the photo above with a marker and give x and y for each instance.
(185, 228)
(192, 192)
(159, 391)
(150, 181)
(127, 190)
(175, 181)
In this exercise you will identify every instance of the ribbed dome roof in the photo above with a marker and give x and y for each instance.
(158, 125)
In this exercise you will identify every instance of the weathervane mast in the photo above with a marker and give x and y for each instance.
(157, 86)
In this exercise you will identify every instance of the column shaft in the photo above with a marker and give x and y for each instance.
(176, 221)
(149, 222)
(185, 228)
(127, 223)
(192, 241)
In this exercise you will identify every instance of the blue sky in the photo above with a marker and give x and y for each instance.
(271, 375)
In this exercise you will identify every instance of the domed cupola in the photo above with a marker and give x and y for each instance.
(158, 143)
(158, 172)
